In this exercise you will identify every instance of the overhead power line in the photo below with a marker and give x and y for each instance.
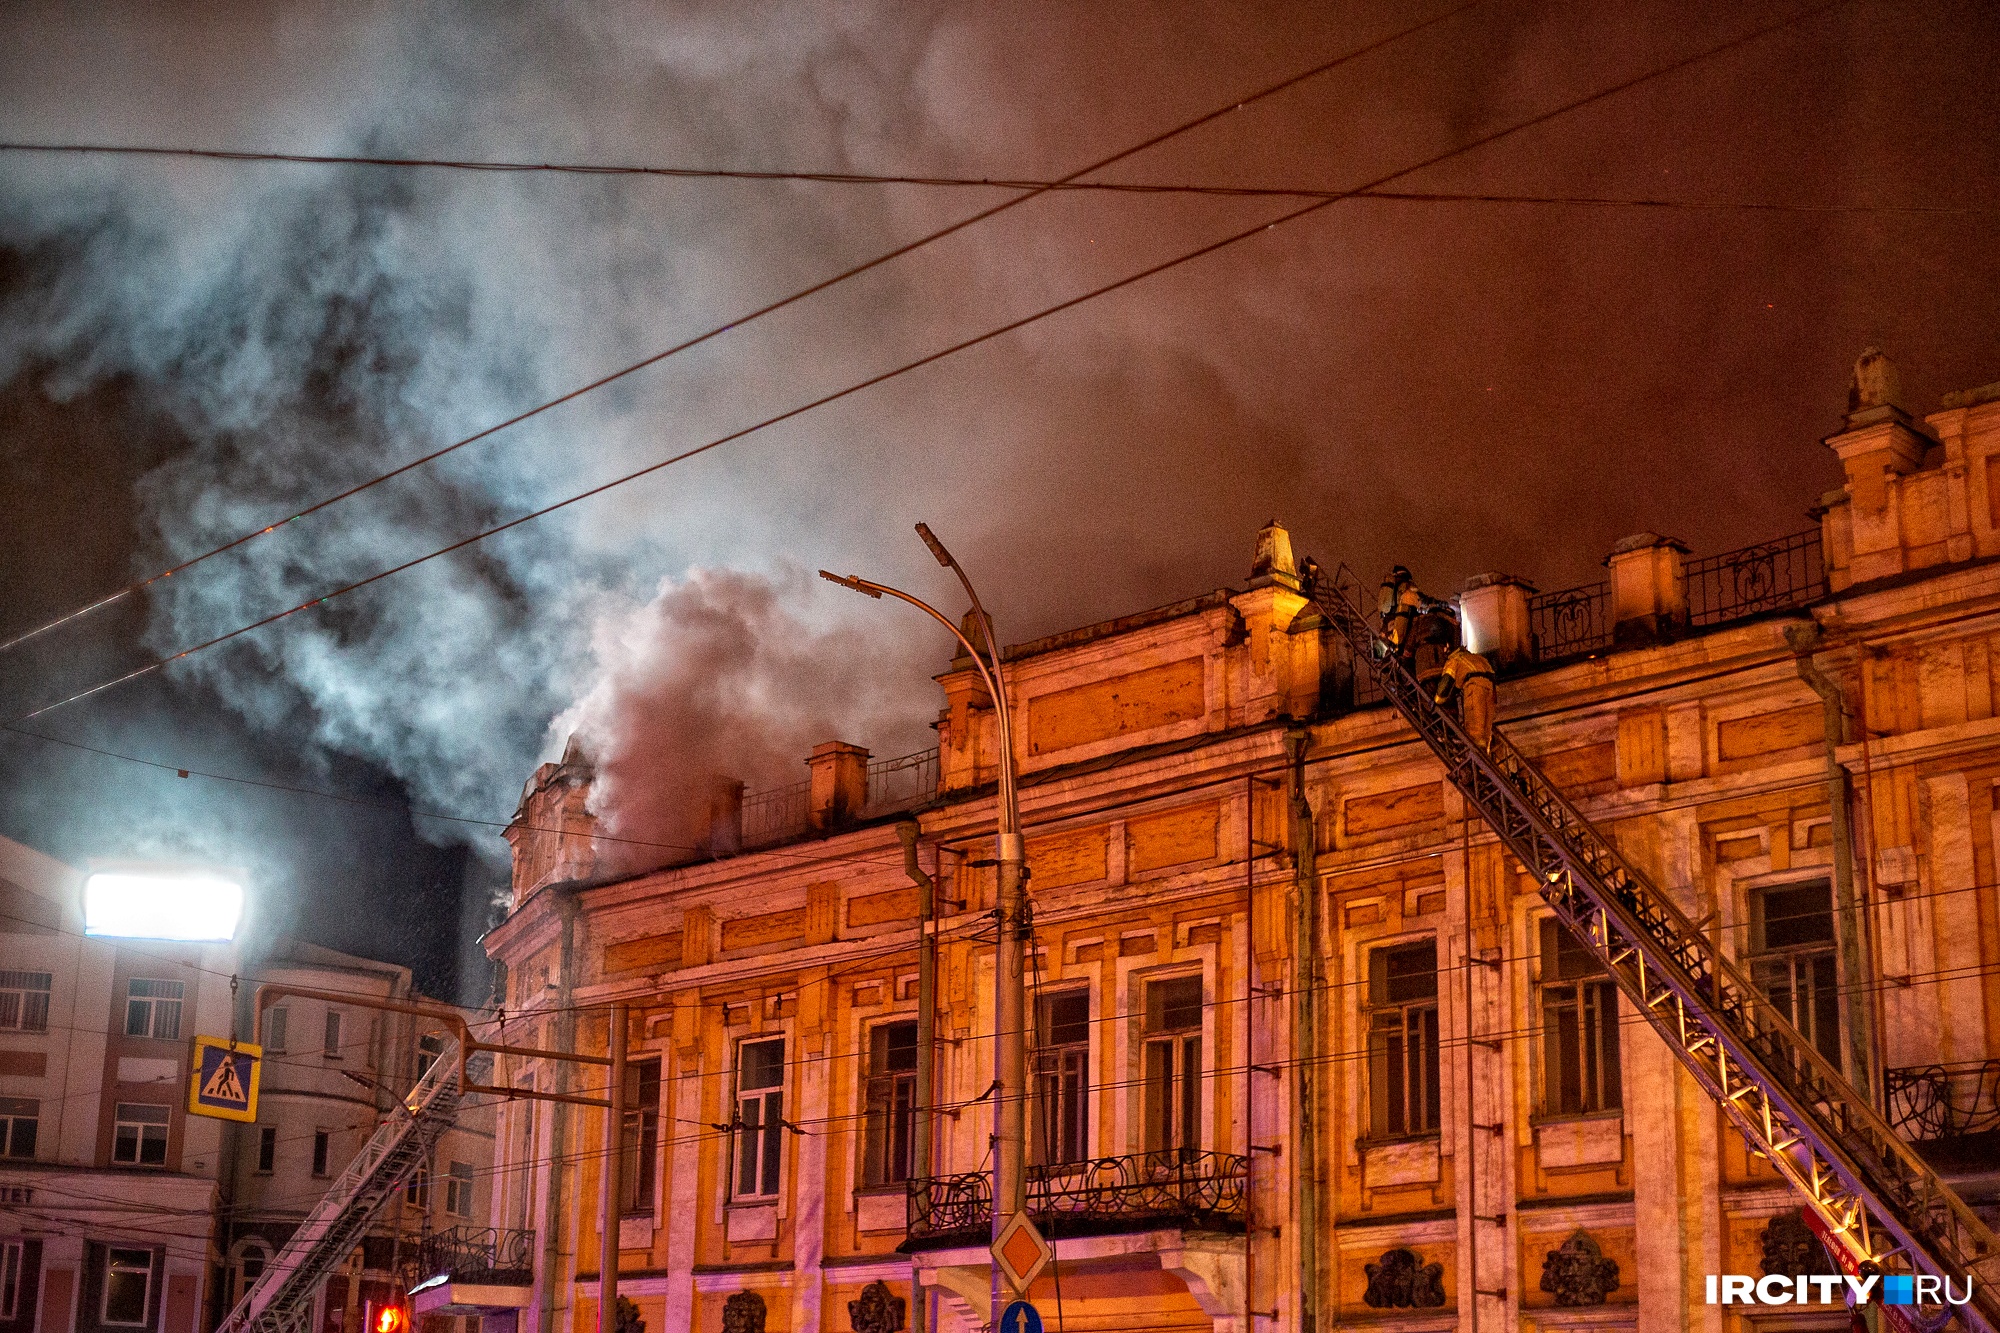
(1118, 284)
(1028, 193)
(1035, 184)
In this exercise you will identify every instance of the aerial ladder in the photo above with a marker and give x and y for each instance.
(1871, 1192)
(281, 1300)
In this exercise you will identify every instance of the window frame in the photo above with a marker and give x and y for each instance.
(146, 1291)
(1592, 1004)
(267, 1150)
(322, 1162)
(639, 1137)
(766, 1133)
(1172, 1071)
(1816, 955)
(330, 1045)
(1059, 1075)
(460, 1181)
(277, 1029)
(23, 1014)
(1415, 1016)
(889, 1105)
(13, 1276)
(155, 1007)
(120, 1120)
(15, 1112)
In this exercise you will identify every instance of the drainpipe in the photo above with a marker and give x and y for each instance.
(1305, 1031)
(554, 1215)
(1849, 924)
(920, 1165)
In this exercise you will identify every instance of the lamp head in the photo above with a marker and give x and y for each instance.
(937, 547)
(851, 581)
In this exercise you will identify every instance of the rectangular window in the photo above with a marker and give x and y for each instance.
(1403, 1041)
(153, 1009)
(1579, 1028)
(322, 1149)
(429, 1047)
(458, 1190)
(20, 1125)
(642, 1134)
(24, 1001)
(760, 1110)
(128, 1286)
(139, 1134)
(13, 1254)
(887, 1146)
(1173, 1067)
(330, 1048)
(267, 1150)
(1060, 1129)
(276, 1024)
(1792, 929)
(419, 1188)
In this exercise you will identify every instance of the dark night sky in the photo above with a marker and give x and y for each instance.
(191, 350)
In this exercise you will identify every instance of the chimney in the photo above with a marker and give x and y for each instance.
(1493, 616)
(725, 816)
(1648, 589)
(839, 783)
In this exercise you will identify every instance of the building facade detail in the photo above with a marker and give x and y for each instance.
(1577, 1273)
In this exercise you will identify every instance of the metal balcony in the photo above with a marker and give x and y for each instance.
(1950, 1111)
(1197, 1190)
(485, 1257)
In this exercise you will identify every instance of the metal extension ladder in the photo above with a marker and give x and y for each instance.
(1870, 1189)
(281, 1300)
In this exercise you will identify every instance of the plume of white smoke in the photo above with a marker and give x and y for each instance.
(719, 676)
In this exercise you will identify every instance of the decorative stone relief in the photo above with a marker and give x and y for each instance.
(743, 1313)
(877, 1311)
(1403, 1281)
(1792, 1250)
(628, 1317)
(1577, 1273)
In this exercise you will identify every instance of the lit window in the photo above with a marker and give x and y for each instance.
(128, 1286)
(331, 1047)
(1060, 1131)
(1579, 1028)
(892, 1100)
(20, 1123)
(153, 1009)
(267, 1149)
(139, 1135)
(419, 1188)
(13, 1256)
(24, 1001)
(1793, 962)
(458, 1190)
(641, 1134)
(1173, 1067)
(1403, 1041)
(760, 1110)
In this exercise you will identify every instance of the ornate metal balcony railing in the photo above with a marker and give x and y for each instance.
(493, 1257)
(1929, 1103)
(903, 781)
(1570, 622)
(778, 813)
(1203, 1190)
(1770, 576)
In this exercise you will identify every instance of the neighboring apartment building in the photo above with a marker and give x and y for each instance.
(1501, 1141)
(119, 1211)
(332, 1072)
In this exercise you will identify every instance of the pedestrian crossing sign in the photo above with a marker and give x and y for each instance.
(224, 1079)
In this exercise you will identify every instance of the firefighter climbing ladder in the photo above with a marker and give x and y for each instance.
(1872, 1191)
(281, 1301)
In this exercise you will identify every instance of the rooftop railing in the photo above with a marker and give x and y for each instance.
(1770, 576)
(778, 813)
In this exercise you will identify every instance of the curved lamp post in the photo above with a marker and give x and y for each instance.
(1010, 1039)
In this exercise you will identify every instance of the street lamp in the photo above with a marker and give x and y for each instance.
(1010, 1037)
